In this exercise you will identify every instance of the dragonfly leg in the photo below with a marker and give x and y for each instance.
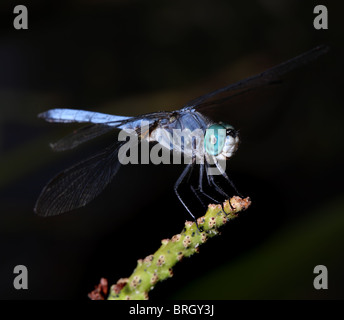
(200, 184)
(194, 191)
(176, 186)
(197, 196)
(199, 190)
(212, 182)
(224, 174)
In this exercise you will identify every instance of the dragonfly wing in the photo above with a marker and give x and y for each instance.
(74, 115)
(268, 77)
(80, 135)
(79, 184)
(100, 124)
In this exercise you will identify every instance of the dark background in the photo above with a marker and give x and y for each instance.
(134, 57)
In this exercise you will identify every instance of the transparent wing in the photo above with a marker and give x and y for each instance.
(81, 135)
(268, 77)
(100, 124)
(79, 184)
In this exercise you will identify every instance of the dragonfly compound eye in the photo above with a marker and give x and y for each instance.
(214, 140)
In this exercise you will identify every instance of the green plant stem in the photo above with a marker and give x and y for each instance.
(158, 266)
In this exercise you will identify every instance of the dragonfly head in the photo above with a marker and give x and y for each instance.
(221, 140)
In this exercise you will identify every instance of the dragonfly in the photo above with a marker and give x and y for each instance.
(76, 186)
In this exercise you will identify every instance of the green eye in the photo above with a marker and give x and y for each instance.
(214, 139)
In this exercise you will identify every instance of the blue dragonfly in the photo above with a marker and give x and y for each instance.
(78, 185)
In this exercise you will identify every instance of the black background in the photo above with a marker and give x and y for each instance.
(134, 57)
